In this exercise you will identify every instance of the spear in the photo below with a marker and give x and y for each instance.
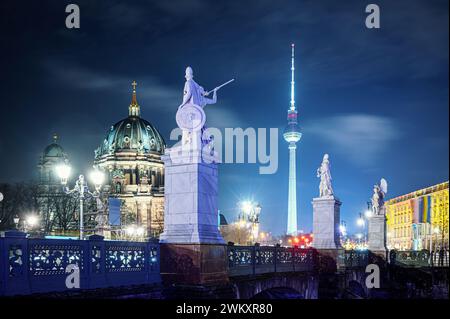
(217, 88)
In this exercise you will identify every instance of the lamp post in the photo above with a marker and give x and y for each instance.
(16, 221)
(343, 231)
(30, 222)
(250, 212)
(362, 223)
(81, 189)
(359, 236)
(135, 232)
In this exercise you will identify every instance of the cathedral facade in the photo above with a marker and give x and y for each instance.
(130, 156)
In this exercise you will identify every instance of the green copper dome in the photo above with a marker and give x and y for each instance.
(132, 133)
(54, 149)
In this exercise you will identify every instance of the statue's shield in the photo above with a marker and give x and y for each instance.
(191, 117)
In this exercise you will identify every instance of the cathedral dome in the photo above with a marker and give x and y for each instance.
(132, 133)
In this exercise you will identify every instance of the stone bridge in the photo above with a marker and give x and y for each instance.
(114, 269)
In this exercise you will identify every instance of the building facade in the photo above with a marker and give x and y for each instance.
(130, 155)
(52, 156)
(419, 220)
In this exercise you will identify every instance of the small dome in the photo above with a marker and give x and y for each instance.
(54, 150)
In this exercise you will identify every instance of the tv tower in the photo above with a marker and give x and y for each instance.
(292, 135)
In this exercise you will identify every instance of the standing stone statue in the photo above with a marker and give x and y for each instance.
(191, 117)
(323, 172)
(379, 193)
(193, 251)
(194, 93)
(377, 222)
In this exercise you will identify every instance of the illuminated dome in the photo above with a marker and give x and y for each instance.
(132, 133)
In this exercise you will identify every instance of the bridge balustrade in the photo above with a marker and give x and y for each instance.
(29, 265)
(421, 258)
(255, 260)
(356, 258)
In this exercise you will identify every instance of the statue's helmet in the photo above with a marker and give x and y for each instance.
(189, 73)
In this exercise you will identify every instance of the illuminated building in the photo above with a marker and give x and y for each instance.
(50, 198)
(52, 156)
(292, 135)
(419, 220)
(130, 154)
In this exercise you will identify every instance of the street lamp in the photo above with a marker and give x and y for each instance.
(63, 172)
(343, 229)
(368, 213)
(31, 221)
(81, 189)
(359, 236)
(134, 231)
(360, 222)
(16, 221)
(246, 207)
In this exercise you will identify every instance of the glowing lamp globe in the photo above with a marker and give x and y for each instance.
(63, 172)
(247, 207)
(97, 177)
(32, 220)
(360, 222)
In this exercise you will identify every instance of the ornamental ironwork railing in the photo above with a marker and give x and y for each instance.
(356, 258)
(254, 260)
(29, 265)
(420, 258)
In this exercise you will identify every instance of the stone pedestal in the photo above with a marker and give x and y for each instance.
(193, 251)
(377, 235)
(191, 195)
(194, 264)
(326, 219)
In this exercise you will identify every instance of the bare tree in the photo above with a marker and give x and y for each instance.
(20, 200)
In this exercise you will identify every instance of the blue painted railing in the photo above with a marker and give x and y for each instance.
(29, 265)
(421, 258)
(356, 258)
(255, 260)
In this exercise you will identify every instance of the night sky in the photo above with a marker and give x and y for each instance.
(375, 100)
